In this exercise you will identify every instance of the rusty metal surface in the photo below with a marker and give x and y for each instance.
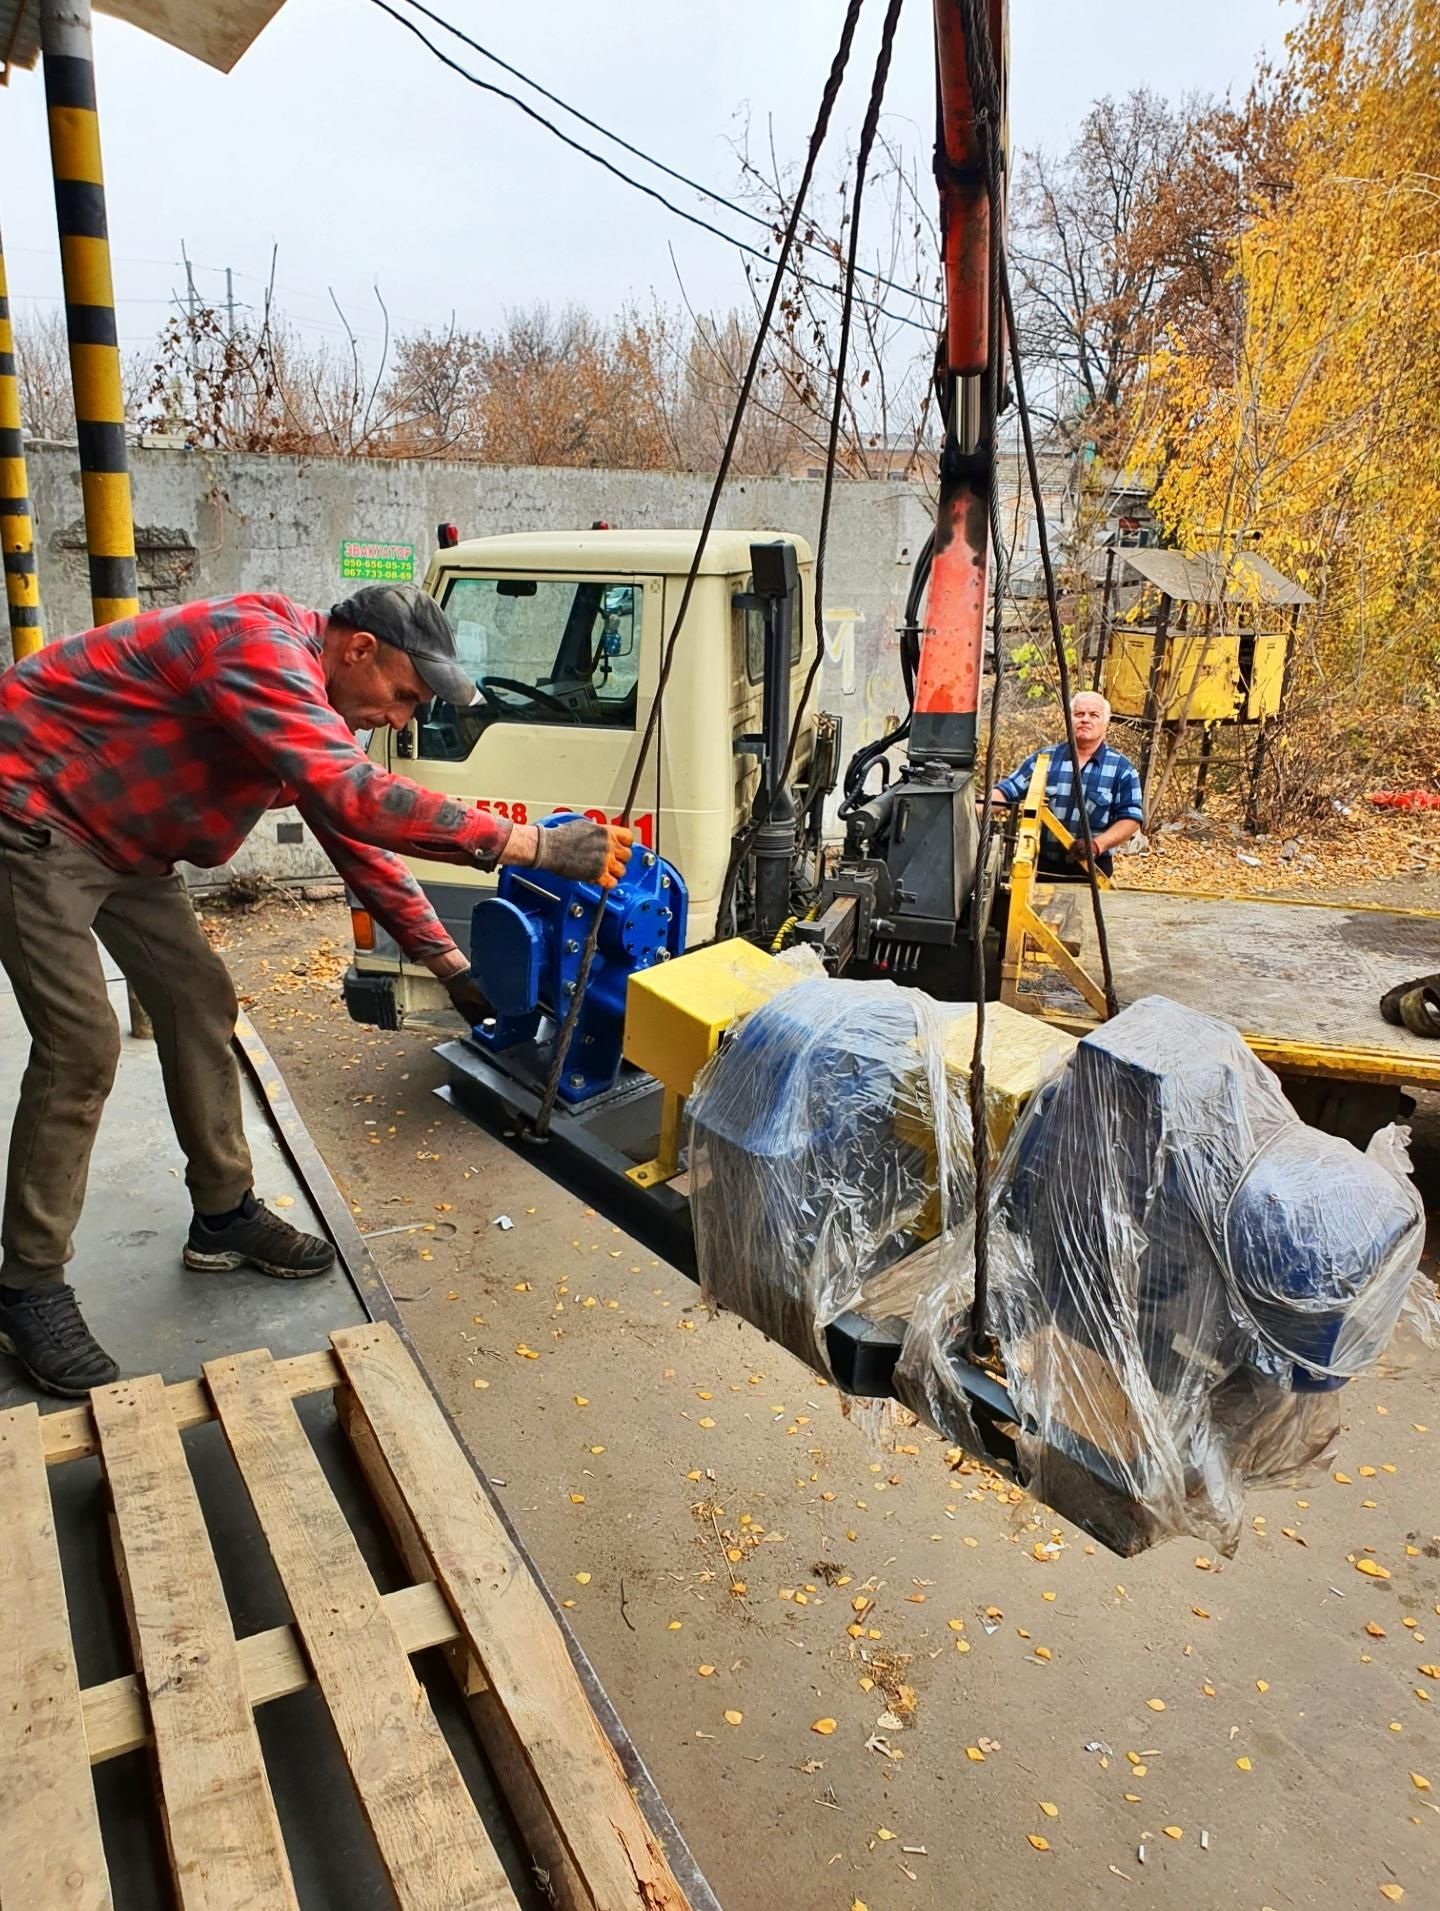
(1299, 976)
(1199, 580)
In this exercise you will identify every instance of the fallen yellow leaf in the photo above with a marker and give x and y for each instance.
(479, 1383)
(1050, 1811)
(1262, 1685)
(1200, 1612)
(1420, 1783)
(824, 1727)
(1429, 1671)
(706, 1671)
(526, 1353)
(1174, 1831)
(706, 1422)
(1205, 1565)
(885, 1834)
(974, 1754)
(1394, 1892)
(861, 1603)
(1156, 1705)
(1366, 1472)
(1372, 1569)
(582, 1579)
(581, 1401)
(956, 1625)
(674, 1625)
(1034, 1838)
(1132, 1798)
(1042, 1652)
(1375, 1632)
(1208, 1689)
(1342, 1479)
(577, 1499)
(1244, 1765)
(733, 1718)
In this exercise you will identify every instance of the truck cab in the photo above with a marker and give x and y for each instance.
(564, 632)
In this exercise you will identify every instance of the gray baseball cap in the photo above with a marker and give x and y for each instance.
(404, 617)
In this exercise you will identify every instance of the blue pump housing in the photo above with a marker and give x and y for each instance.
(526, 945)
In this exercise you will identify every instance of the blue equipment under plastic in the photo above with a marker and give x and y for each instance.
(1212, 1183)
(526, 945)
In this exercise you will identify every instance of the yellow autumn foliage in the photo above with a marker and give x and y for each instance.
(1319, 441)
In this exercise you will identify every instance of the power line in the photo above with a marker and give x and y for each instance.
(650, 192)
(637, 152)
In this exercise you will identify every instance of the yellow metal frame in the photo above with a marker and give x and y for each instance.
(1026, 931)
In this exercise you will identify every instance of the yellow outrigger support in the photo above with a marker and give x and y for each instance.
(1027, 932)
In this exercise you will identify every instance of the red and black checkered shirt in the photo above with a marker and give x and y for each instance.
(164, 738)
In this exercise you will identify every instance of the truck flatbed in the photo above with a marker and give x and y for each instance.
(1300, 980)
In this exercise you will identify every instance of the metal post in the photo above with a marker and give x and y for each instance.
(65, 40)
(89, 306)
(1102, 642)
(17, 525)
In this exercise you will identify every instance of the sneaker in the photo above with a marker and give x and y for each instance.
(257, 1238)
(42, 1327)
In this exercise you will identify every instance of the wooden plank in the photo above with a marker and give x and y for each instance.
(70, 1434)
(431, 1840)
(271, 1667)
(220, 1822)
(50, 1850)
(510, 1628)
(559, 1882)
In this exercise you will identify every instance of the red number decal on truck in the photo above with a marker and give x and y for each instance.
(643, 825)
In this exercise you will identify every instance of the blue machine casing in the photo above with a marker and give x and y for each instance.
(526, 945)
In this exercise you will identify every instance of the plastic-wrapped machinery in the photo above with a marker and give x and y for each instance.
(817, 1136)
(1182, 1272)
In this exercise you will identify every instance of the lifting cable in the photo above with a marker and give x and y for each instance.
(745, 838)
(985, 90)
(541, 1125)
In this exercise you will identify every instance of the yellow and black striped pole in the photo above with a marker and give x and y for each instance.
(17, 525)
(65, 40)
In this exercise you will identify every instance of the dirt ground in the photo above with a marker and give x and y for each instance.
(1014, 1712)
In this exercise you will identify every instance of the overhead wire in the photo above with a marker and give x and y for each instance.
(541, 1125)
(637, 152)
(628, 179)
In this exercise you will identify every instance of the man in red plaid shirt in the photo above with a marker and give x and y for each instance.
(162, 739)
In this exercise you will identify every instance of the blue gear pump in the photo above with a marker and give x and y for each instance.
(526, 945)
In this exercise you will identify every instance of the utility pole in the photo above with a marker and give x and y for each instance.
(230, 301)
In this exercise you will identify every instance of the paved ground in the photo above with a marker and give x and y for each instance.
(714, 1518)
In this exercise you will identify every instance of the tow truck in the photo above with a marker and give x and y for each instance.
(608, 1008)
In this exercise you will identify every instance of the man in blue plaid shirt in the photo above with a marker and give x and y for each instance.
(1108, 779)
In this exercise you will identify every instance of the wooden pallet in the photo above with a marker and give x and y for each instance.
(195, 1686)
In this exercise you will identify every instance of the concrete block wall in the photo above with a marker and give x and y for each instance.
(212, 523)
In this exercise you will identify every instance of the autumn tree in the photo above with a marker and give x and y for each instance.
(1086, 290)
(1312, 435)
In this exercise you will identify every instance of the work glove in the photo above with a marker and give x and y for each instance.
(468, 999)
(585, 852)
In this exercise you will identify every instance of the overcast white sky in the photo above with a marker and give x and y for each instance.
(339, 137)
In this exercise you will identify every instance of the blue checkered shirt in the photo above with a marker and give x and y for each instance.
(1110, 783)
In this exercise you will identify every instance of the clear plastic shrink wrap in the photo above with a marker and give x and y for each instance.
(817, 1134)
(1182, 1274)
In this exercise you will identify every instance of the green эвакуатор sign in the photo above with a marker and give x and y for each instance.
(377, 563)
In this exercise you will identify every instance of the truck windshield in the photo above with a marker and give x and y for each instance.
(541, 650)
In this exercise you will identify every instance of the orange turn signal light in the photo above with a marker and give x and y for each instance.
(362, 929)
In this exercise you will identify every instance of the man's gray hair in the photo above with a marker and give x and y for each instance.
(1105, 701)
